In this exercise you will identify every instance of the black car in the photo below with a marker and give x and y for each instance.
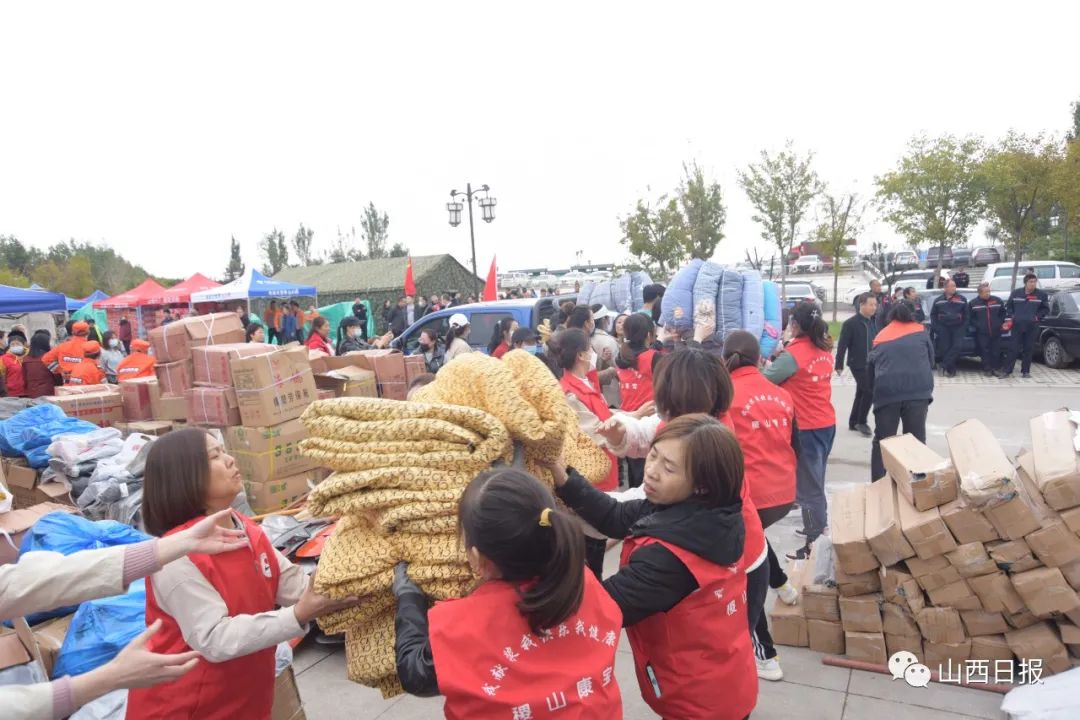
(984, 256)
(1059, 341)
(932, 258)
(961, 257)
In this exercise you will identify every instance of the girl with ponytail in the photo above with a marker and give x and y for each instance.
(538, 632)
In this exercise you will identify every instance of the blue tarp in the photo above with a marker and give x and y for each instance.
(29, 432)
(253, 284)
(16, 301)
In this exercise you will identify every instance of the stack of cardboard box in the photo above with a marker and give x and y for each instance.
(367, 373)
(98, 404)
(971, 557)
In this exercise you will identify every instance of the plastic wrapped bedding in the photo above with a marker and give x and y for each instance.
(602, 295)
(729, 295)
(585, 293)
(770, 334)
(638, 281)
(676, 309)
(621, 289)
(753, 303)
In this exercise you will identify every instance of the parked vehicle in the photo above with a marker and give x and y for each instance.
(808, 264)
(544, 281)
(513, 280)
(483, 318)
(1059, 341)
(985, 256)
(1051, 273)
(932, 257)
(914, 278)
(798, 291)
(904, 260)
(962, 257)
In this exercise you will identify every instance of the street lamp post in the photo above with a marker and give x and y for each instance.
(487, 212)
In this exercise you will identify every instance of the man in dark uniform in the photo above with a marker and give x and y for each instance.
(911, 297)
(1026, 308)
(949, 320)
(856, 341)
(961, 277)
(987, 316)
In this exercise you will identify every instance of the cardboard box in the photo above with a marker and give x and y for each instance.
(867, 647)
(921, 475)
(278, 494)
(1054, 545)
(287, 702)
(925, 530)
(170, 409)
(174, 378)
(414, 368)
(990, 647)
(825, 637)
(1071, 518)
(389, 368)
(788, 623)
(909, 643)
(898, 620)
(55, 491)
(981, 622)
(971, 560)
(1014, 518)
(858, 584)
(1013, 556)
(861, 613)
(324, 394)
(1040, 641)
(933, 573)
(941, 625)
(102, 408)
(15, 523)
(1045, 592)
(1020, 620)
(153, 428)
(265, 453)
(955, 595)
(996, 593)
(174, 342)
(985, 474)
(883, 525)
(947, 658)
(1072, 574)
(273, 388)
(213, 406)
(848, 521)
(900, 588)
(21, 481)
(1056, 459)
(821, 602)
(19, 647)
(211, 364)
(966, 524)
(348, 382)
(137, 396)
(66, 390)
(1070, 635)
(50, 638)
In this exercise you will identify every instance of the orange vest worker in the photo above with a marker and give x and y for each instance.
(87, 372)
(65, 356)
(136, 365)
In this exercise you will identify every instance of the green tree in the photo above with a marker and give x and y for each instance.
(9, 276)
(702, 206)
(657, 238)
(76, 278)
(17, 257)
(934, 194)
(781, 188)
(47, 275)
(302, 246)
(399, 250)
(1018, 177)
(1074, 133)
(841, 222)
(235, 268)
(374, 229)
(274, 253)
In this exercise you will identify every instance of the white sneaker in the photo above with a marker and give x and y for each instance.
(769, 669)
(787, 594)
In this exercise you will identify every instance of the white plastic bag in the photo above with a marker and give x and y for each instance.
(1056, 698)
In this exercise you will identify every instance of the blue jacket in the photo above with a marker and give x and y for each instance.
(902, 361)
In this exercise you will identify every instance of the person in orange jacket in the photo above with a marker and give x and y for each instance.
(87, 372)
(136, 365)
(63, 358)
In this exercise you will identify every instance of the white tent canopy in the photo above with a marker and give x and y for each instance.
(253, 284)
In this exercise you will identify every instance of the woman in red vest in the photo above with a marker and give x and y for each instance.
(319, 337)
(574, 352)
(635, 368)
(682, 583)
(224, 607)
(539, 634)
(805, 370)
(762, 416)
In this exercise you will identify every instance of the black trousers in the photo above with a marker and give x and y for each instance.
(768, 574)
(950, 342)
(1022, 345)
(271, 335)
(989, 350)
(595, 549)
(864, 397)
(887, 419)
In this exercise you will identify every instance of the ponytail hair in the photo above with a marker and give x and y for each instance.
(807, 316)
(741, 349)
(510, 518)
(498, 335)
(636, 332)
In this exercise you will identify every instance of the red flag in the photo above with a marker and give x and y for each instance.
(410, 285)
(491, 287)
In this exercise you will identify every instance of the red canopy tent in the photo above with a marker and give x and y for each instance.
(181, 294)
(133, 299)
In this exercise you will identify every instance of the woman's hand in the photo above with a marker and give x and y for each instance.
(312, 605)
(206, 537)
(558, 470)
(402, 583)
(613, 431)
(645, 410)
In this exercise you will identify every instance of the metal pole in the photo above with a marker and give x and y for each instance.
(472, 241)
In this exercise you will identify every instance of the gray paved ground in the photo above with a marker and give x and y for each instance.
(810, 690)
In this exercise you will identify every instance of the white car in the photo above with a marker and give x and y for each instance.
(544, 281)
(1051, 273)
(807, 263)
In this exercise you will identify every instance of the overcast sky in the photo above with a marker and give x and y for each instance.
(164, 132)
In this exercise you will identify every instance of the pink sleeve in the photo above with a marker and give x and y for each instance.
(63, 698)
(140, 560)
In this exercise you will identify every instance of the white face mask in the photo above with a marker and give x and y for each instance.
(17, 349)
(354, 332)
(113, 342)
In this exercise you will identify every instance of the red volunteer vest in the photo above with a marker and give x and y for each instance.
(811, 385)
(247, 580)
(635, 384)
(695, 662)
(591, 398)
(135, 365)
(491, 665)
(761, 417)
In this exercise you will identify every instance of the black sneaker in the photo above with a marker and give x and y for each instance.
(800, 554)
(865, 430)
(1026, 376)
(1004, 375)
(950, 373)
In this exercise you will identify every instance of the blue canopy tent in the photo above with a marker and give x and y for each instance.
(19, 301)
(76, 304)
(254, 286)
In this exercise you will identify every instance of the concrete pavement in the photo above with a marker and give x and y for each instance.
(810, 690)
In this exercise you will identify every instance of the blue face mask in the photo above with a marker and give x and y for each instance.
(532, 349)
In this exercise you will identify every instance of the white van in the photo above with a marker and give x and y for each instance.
(1051, 273)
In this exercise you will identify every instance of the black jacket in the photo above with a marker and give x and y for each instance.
(856, 340)
(349, 345)
(654, 580)
(438, 358)
(987, 316)
(903, 368)
(885, 306)
(950, 312)
(399, 321)
(961, 279)
(1027, 308)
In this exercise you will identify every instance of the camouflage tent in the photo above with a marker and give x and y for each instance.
(383, 279)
